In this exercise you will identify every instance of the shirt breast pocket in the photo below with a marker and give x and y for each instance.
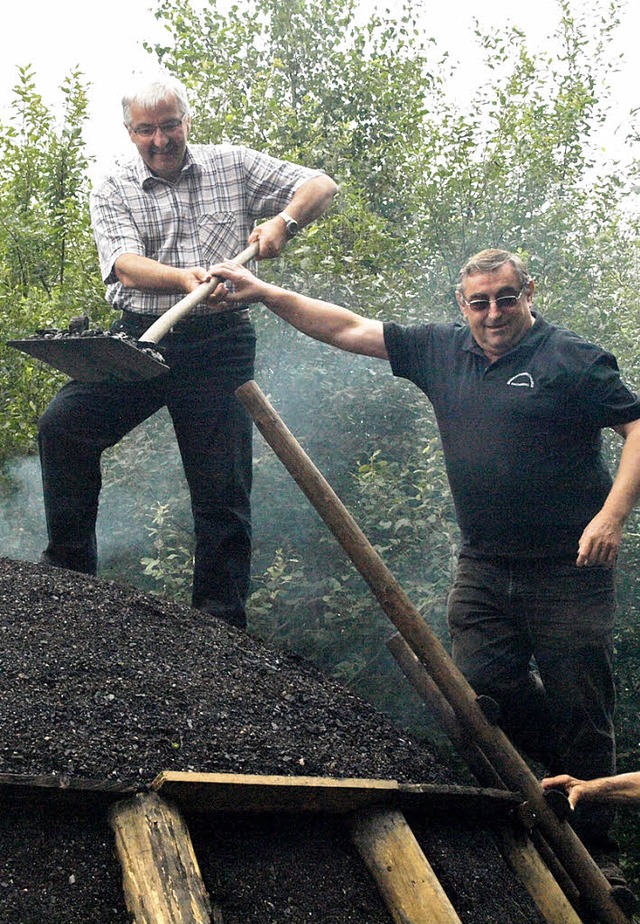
(218, 236)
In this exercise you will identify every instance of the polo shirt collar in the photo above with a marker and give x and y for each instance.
(530, 339)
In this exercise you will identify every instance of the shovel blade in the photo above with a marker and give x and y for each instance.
(94, 359)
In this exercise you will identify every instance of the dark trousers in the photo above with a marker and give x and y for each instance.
(209, 358)
(558, 708)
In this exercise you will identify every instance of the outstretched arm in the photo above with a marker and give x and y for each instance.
(601, 538)
(318, 319)
(624, 788)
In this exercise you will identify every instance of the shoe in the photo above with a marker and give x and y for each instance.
(620, 890)
(612, 873)
(625, 898)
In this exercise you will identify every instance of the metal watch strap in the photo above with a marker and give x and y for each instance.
(290, 223)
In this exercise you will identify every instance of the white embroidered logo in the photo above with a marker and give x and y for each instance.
(522, 380)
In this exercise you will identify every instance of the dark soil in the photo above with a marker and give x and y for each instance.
(100, 682)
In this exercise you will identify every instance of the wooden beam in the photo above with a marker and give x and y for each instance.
(526, 862)
(408, 884)
(230, 792)
(160, 873)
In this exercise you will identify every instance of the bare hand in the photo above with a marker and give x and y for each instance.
(193, 277)
(239, 285)
(599, 543)
(271, 236)
(574, 789)
(196, 276)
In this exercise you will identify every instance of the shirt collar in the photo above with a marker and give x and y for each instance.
(147, 178)
(531, 337)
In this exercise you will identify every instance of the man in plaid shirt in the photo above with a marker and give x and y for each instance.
(160, 222)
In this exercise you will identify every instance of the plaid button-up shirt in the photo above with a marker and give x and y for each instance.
(202, 218)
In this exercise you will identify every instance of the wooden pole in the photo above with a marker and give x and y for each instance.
(181, 309)
(160, 873)
(495, 745)
(538, 878)
(526, 862)
(409, 886)
(416, 673)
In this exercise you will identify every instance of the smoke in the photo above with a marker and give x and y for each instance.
(126, 509)
(340, 408)
(22, 527)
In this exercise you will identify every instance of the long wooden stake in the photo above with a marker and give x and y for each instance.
(536, 875)
(495, 745)
(416, 673)
(528, 865)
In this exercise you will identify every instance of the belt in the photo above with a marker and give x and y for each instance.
(193, 327)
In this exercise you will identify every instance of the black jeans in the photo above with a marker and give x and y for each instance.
(559, 707)
(209, 358)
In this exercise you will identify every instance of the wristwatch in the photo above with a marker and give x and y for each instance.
(291, 225)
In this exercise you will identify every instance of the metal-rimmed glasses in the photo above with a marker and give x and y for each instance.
(502, 302)
(167, 128)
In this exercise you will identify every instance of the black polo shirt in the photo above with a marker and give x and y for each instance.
(521, 436)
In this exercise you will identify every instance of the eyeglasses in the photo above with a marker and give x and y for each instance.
(167, 128)
(503, 302)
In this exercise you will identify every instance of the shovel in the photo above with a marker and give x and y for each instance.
(100, 356)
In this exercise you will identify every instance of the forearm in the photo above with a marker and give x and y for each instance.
(326, 322)
(312, 199)
(138, 272)
(308, 202)
(622, 788)
(601, 538)
(321, 320)
(626, 487)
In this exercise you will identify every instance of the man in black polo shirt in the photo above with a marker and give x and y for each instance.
(520, 405)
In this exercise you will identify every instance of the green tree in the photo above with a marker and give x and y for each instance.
(304, 81)
(48, 266)
(425, 182)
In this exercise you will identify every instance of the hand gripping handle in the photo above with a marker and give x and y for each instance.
(181, 309)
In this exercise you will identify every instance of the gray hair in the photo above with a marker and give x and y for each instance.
(489, 261)
(150, 93)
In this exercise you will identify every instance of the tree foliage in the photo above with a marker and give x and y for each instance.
(47, 258)
(425, 180)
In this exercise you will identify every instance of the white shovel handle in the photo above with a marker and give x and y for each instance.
(166, 321)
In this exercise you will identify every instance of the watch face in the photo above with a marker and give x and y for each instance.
(290, 224)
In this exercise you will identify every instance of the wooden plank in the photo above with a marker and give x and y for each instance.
(408, 884)
(526, 862)
(160, 873)
(229, 792)
(73, 792)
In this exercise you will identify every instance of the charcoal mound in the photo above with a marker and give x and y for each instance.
(101, 682)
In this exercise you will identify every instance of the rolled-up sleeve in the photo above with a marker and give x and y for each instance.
(270, 182)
